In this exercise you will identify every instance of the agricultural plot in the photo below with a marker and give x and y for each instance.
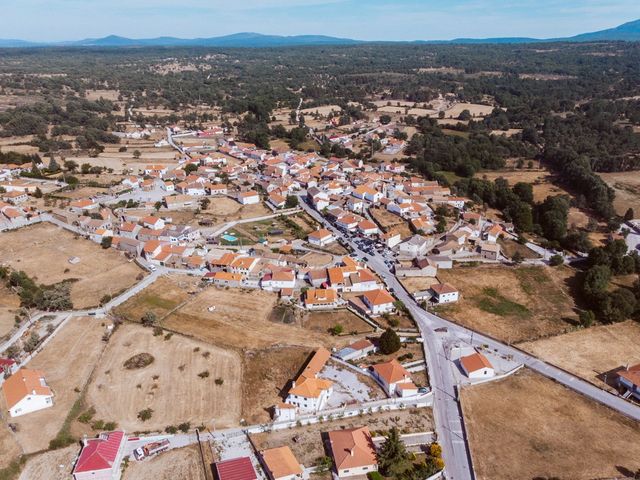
(186, 381)
(527, 426)
(179, 463)
(43, 252)
(512, 304)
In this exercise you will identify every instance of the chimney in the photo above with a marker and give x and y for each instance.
(352, 451)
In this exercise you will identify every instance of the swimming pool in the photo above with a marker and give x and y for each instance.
(229, 238)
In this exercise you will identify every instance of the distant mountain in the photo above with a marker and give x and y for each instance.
(246, 39)
(627, 32)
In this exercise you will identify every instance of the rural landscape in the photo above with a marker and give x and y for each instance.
(307, 257)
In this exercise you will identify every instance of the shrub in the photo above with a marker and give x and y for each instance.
(145, 414)
(171, 429)
(157, 331)
(219, 381)
(204, 374)
(375, 476)
(184, 427)
(140, 360)
(556, 260)
(337, 329)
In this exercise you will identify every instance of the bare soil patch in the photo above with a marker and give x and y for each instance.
(67, 362)
(592, 352)
(8, 444)
(171, 385)
(418, 284)
(510, 247)
(9, 305)
(179, 463)
(43, 251)
(512, 304)
(227, 209)
(527, 426)
(315, 259)
(323, 321)
(53, 465)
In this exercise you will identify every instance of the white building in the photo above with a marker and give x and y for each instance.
(308, 392)
(249, 198)
(444, 293)
(321, 237)
(26, 391)
(477, 366)
(395, 379)
(378, 301)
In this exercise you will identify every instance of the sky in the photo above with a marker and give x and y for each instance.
(55, 20)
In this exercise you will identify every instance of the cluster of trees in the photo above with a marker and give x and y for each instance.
(605, 263)
(32, 295)
(395, 462)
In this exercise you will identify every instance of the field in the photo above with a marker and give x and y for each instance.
(308, 445)
(389, 221)
(262, 229)
(476, 110)
(540, 179)
(315, 259)
(417, 284)
(8, 444)
(52, 465)
(527, 426)
(226, 209)
(512, 304)
(67, 362)
(627, 188)
(9, 304)
(170, 385)
(591, 352)
(179, 463)
(322, 322)
(121, 161)
(43, 250)
(510, 247)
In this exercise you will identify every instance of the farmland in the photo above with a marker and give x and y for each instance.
(172, 385)
(226, 209)
(627, 188)
(590, 353)
(43, 251)
(527, 426)
(67, 362)
(512, 304)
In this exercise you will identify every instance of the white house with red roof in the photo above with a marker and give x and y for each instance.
(100, 457)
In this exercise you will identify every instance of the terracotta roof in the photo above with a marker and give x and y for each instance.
(22, 383)
(443, 288)
(99, 453)
(475, 362)
(391, 371)
(281, 462)
(378, 297)
(320, 296)
(235, 469)
(320, 234)
(352, 448)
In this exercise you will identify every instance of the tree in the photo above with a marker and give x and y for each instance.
(517, 258)
(385, 119)
(70, 165)
(149, 319)
(389, 342)
(53, 165)
(629, 215)
(136, 154)
(106, 242)
(393, 460)
(204, 203)
(587, 317)
(596, 281)
(37, 193)
(336, 330)
(556, 260)
(190, 168)
(157, 205)
(145, 414)
(323, 464)
(12, 352)
(618, 306)
(524, 191)
(292, 201)
(32, 342)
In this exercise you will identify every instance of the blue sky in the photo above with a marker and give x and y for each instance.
(361, 19)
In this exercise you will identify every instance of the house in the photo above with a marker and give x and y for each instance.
(243, 265)
(394, 378)
(235, 469)
(15, 197)
(378, 301)
(321, 237)
(391, 239)
(348, 222)
(368, 228)
(353, 452)
(493, 234)
(444, 293)
(100, 457)
(308, 392)
(154, 223)
(284, 412)
(321, 298)
(223, 279)
(629, 379)
(476, 366)
(356, 350)
(79, 206)
(281, 464)
(490, 251)
(279, 280)
(414, 247)
(248, 198)
(26, 391)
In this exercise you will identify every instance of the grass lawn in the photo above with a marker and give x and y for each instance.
(493, 302)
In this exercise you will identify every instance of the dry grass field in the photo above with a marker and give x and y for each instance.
(540, 179)
(308, 445)
(476, 110)
(417, 284)
(589, 353)
(43, 251)
(52, 465)
(120, 161)
(8, 444)
(227, 209)
(315, 259)
(627, 188)
(512, 304)
(170, 385)
(9, 304)
(527, 426)
(67, 362)
(180, 463)
(322, 321)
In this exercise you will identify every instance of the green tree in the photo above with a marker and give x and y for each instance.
(596, 281)
(136, 154)
(587, 317)
(190, 168)
(157, 205)
(517, 258)
(37, 193)
(106, 242)
(629, 215)
(292, 201)
(389, 342)
(323, 464)
(145, 414)
(32, 342)
(556, 260)
(71, 166)
(393, 460)
(618, 306)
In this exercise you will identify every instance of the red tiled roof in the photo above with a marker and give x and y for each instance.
(235, 469)
(99, 453)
